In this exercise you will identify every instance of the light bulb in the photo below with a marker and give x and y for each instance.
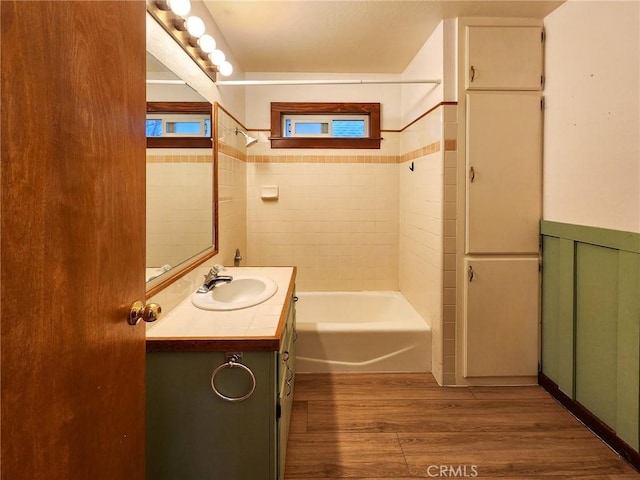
(180, 7)
(217, 57)
(207, 43)
(225, 69)
(195, 26)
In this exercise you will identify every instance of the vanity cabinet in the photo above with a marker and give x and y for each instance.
(193, 434)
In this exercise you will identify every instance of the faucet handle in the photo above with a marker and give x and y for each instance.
(217, 268)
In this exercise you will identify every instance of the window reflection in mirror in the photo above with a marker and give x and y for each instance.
(180, 190)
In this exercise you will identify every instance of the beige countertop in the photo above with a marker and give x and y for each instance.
(188, 328)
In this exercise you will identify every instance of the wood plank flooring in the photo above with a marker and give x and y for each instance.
(404, 426)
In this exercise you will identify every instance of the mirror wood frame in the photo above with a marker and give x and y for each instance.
(161, 282)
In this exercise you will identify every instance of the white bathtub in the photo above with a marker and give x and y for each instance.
(360, 332)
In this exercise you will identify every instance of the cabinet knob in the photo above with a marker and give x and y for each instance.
(471, 274)
(472, 174)
(472, 73)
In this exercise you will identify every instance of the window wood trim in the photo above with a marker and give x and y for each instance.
(278, 140)
(181, 142)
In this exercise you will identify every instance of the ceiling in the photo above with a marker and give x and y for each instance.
(354, 36)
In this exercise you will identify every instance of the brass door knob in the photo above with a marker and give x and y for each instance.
(139, 311)
(151, 312)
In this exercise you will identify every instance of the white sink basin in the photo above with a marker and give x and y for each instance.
(241, 292)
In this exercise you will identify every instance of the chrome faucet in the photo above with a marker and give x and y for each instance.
(212, 279)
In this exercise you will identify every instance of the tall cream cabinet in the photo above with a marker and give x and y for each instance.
(504, 175)
(500, 183)
(504, 57)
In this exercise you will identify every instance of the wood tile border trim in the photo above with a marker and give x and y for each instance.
(322, 159)
(420, 117)
(592, 422)
(179, 158)
(412, 155)
(232, 152)
(420, 152)
(381, 130)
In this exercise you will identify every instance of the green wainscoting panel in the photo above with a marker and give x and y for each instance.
(591, 321)
(604, 237)
(628, 420)
(558, 312)
(550, 309)
(566, 309)
(597, 330)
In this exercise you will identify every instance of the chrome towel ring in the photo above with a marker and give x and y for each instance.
(233, 362)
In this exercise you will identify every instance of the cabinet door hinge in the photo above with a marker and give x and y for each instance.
(540, 265)
(542, 36)
(542, 103)
(278, 411)
(542, 80)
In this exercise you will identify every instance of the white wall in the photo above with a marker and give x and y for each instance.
(258, 98)
(592, 126)
(427, 64)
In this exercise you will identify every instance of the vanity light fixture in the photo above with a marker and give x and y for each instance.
(179, 7)
(225, 69)
(195, 26)
(189, 32)
(217, 57)
(207, 43)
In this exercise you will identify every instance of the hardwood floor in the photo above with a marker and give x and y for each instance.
(403, 426)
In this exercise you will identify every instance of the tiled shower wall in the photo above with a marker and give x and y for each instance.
(427, 229)
(232, 190)
(336, 217)
(421, 172)
(179, 207)
(450, 136)
(367, 222)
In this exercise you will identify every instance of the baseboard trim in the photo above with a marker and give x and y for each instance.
(592, 422)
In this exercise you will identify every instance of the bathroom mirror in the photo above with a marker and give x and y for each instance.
(181, 196)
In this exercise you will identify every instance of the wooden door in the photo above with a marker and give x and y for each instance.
(501, 317)
(504, 167)
(72, 239)
(504, 58)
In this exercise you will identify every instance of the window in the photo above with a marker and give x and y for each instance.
(328, 126)
(170, 125)
(325, 125)
(179, 125)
